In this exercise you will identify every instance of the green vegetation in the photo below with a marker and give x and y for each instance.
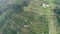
(17, 13)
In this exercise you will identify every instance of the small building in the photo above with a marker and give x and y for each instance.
(45, 5)
(26, 25)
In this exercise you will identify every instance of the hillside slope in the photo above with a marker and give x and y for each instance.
(28, 17)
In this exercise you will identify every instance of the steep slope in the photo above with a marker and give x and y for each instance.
(49, 15)
(57, 12)
(39, 20)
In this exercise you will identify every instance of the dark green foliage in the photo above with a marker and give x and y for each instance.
(25, 3)
(0, 10)
(5, 25)
(57, 10)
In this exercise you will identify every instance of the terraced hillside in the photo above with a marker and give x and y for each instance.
(28, 17)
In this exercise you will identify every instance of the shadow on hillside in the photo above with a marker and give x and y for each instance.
(10, 9)
(57, 12)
